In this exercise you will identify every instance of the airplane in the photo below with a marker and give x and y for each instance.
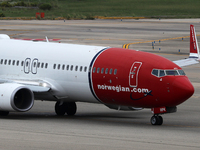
(121, 79)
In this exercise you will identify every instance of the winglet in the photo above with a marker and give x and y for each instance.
(194, 48)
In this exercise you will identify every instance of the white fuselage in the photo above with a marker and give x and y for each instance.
(63, 66)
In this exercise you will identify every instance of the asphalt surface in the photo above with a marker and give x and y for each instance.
(95, 126)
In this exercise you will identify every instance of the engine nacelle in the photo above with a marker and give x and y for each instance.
(15, 97)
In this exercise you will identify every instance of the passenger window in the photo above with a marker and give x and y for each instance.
(94, 69)
(46, 65)
(71, 67)
(54, 66)
(106, 72)
(102, 70)
(67, 67)
(38, 65)
(115, 71)
(9, 62)
(98, 69)
(1, 61)
(5, 62)
(85, 69)
(63, 67)
(34, 65)
(27, 64)
(81, 68)
(13, 63)
(155, 72)
(58, 66)
(42, 65)
(18, 63)
(111, 71)
(76, 68)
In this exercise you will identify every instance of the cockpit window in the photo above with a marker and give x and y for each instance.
(161, 73)
(171, 72)
(181, 72)
(155, 72)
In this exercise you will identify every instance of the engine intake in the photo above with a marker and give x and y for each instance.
(15, 97)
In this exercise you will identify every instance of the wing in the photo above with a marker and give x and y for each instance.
(33, 85)
(194, 50)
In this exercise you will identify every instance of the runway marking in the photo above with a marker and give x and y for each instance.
(21, 33)
(16, 34)
(185, 126)
(169, 54)
(14, 30)
(128, 44)
(26, 31)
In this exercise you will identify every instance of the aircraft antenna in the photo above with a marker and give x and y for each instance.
(47, 39)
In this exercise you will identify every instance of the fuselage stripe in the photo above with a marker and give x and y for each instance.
(90, 74)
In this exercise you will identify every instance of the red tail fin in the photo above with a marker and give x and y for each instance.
(194, 48)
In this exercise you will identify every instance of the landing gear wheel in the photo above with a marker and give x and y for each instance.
(4, 113)
(160, 120)
(71, 108)
(68, 107)
(60, 108)
(153, 120)
(156, 120)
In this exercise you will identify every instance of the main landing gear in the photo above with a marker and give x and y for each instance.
(65, 107)
(4, 113)
(156, 120)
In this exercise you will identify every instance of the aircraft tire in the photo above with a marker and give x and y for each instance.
(160, 120)
(156, 120)
(4, 113)
(60, 108)
(71, 108)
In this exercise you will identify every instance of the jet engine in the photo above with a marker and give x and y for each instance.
(15, 97)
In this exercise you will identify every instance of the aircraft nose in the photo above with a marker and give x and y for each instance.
(182, 89)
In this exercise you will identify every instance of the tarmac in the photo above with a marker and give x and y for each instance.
(95, 126)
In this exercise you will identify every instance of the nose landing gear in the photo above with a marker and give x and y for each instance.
(156, 120)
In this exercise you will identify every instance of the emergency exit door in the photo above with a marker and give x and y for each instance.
(133, 75)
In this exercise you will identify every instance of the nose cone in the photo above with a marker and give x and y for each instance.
(182, 90)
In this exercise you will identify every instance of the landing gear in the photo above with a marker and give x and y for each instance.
(65, 107)
(4, 113)
(156, 120)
